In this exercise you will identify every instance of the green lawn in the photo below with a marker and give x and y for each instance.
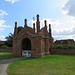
(48, 65)
(6, 55)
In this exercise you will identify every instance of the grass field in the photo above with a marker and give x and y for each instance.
(6, 55)
(48, 65)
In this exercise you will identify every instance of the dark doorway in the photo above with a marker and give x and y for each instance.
(26, 44)
(26, 47)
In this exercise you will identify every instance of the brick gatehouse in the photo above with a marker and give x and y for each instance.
(31, 43)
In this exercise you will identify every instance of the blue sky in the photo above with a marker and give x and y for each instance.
(59, 13)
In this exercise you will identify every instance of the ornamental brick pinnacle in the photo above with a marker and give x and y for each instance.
(15, 29)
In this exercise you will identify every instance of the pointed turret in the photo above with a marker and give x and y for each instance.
(25, 23)
(38, 24)
(34, 27)
(50, 30)
(15, 29)
(45, 25)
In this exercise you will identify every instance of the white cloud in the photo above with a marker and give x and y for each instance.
(49, 21)
(61, 29)
(65, 11)
(63, 8)
(30, 23)
(2, 13)
(1, 29)
(69, 8)
(12, 1)
(59, 37)
(2, 24)
(2, 38)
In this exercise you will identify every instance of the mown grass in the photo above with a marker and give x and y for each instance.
(48, 65)
(6, 55)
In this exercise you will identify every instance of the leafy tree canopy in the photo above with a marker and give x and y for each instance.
(19, 28)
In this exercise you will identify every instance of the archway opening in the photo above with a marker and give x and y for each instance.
(26, 47)
(26, 44)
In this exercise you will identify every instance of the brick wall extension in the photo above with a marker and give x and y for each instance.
(63, 51)
(5, 50)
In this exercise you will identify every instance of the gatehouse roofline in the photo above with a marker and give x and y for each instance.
(34, 30)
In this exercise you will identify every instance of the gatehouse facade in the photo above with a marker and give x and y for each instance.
(32, 42)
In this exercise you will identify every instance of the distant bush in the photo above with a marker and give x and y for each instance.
(62, 46)
(4, 46)
(58, 46)
(71, 46)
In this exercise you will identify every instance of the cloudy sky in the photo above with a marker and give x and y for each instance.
(59, 13)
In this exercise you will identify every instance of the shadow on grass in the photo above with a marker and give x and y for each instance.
(7, 56)
(28, 58)
(45, 56)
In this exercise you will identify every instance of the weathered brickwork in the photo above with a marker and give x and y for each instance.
(41, 40)
(63, 51)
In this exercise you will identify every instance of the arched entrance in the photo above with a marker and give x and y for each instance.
(26, 47)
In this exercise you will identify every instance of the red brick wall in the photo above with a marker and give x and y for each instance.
(5, 50)
(36, 41)
(63, 51)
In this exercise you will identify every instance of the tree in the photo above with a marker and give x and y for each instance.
(19, 28)
(9, 38)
